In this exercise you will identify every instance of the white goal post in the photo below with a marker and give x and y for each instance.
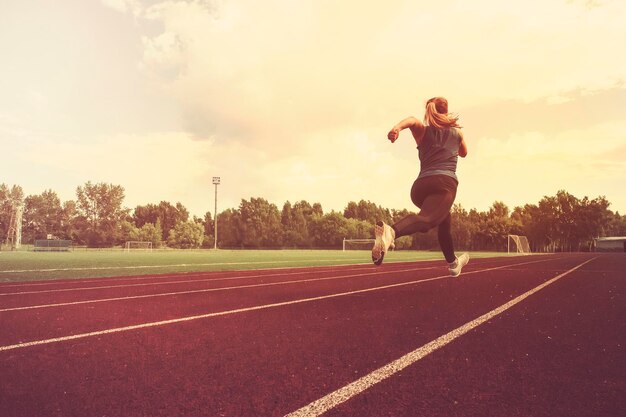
(358, 244)
(137, 245)
(517, 244)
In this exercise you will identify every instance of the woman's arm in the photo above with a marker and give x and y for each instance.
(462, 146)
(416, 126)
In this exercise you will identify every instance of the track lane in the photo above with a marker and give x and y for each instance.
(34, 324)
(560, 353)
(75, 293)
(12, 286)
(363, 262)
(66, 320)
(68, 291)
(70, 282)
(261, 363)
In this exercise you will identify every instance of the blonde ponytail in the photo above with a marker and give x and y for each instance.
(437, 114)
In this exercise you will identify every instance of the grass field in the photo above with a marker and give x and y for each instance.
(29, 266)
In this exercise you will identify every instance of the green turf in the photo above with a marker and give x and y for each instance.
(29, 266)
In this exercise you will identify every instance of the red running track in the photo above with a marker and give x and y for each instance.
(271, 342)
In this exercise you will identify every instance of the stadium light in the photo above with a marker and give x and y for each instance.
(216, 182)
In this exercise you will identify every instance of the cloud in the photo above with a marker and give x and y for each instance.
(283, 89)
(261, 71)
(588, 4)
(124, 6)
(572, 110)
(291, 100)
(164, 55)
(165, 166)
(331, 168)
(522, 167)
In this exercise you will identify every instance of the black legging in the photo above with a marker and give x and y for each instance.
(434, 195)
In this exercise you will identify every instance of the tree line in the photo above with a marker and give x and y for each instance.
(97, 218)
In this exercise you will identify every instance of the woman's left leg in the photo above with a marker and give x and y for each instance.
(444, 234)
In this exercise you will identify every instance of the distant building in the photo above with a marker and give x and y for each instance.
(611, 244)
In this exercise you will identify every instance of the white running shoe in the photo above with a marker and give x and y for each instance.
(458, 264)
(384, 239)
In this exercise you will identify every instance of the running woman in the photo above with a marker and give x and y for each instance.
(439, 142)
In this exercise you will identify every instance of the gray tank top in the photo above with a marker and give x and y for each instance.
(439, 152)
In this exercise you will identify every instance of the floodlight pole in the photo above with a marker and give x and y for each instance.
(216, 182)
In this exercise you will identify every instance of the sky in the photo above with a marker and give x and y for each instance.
(291, 100)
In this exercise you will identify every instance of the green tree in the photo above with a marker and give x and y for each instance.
(462, 229)
(594, 219)
(67, 221)
(291, 238)
(128, 231)
(147, 233)
(100, 211)
(152, 233)
(316, 210)
(260, 224)
(359, 229)
(367, 211)
(286, 215)
(564, 222)
(539, 224)
(517, 221)
(42, 216)
(616, 225)
(186, 235)
(309, 211)
(567, 208)
(495, 226)
(329, 230)
(228, 229)
(167, 214)
(295, 220)
(209, 225)
(146, 214)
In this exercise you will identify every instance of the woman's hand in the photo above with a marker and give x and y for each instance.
(393, 134)
(417, 129)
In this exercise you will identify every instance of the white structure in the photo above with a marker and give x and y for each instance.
(216, 182)
(358, 244)
(137, 245)
(14, 235)
(611, 244)
(517, 244)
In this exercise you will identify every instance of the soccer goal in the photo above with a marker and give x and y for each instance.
(136, 245)
(518, 244)
(358, 244)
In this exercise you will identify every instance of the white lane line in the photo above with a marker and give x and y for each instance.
(199, 274)
(99, 300)
(240, 310)
(149, 284)
(343, 394)
(269, 284)
(99, 268)
(295, 269)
